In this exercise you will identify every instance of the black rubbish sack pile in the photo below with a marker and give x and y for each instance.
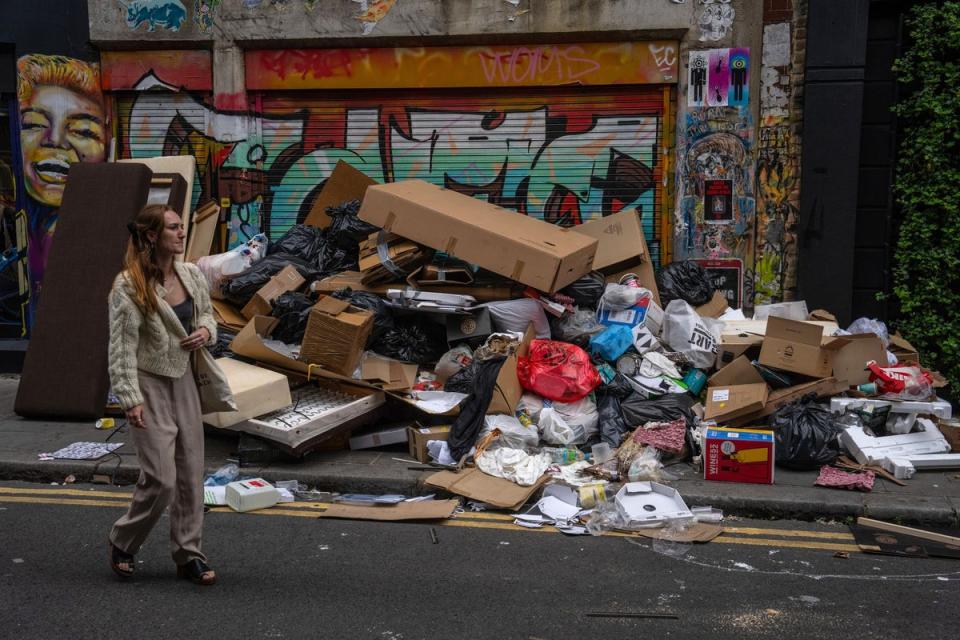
(412, 340)
(240, 289)
(685, 280)
(806, 434)
(300, 240)
(293, 311)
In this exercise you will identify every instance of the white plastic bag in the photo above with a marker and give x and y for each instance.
(221, 267)
(513, 464)
(453, 361)
(569, 423)
(686, 332)
(515, 315)
(512, 432)
(531, 404)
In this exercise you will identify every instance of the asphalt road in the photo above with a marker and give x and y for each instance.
(290, 574)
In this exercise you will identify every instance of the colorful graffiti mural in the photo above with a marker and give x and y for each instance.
(155, 14)
(494, 66)
(560, 160)
(777, 172)
(63, 119)
(715, 189)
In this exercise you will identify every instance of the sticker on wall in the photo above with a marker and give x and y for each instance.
(718, 77)
(726, 276)
(739, 62)
(155, 14)
(697, 78)
(203, 11)
(715, 20)
(718, 201)
(372, 12)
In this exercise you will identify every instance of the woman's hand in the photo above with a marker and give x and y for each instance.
(135, 417)
(195, 340)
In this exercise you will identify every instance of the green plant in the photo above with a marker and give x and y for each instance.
(927, 187)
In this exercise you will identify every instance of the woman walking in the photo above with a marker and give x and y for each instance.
(160, 313)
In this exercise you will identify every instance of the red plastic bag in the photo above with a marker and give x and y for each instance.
(902, 382)
(559, 371)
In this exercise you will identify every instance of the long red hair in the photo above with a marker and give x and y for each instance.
(140, 263)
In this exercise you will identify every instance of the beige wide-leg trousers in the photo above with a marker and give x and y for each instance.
(170, 452)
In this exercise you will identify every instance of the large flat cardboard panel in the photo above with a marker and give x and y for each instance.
(475, 484)
(256, 391)
(536, 253)
(624, 252)
(388, 374)
(227, 315)
(423, 510)
(850, 363)
(740, 371)
(507, 391)
(353, 279)
(618, 240)
(65, 368)
(782, 397)
(205, 220)
(345, 183)
(186, 166)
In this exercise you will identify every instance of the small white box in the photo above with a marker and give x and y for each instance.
(248, 495)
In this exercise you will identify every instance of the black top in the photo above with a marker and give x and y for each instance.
(184, 312)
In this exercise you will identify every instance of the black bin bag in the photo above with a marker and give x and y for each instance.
(685, 280)
(805, 434)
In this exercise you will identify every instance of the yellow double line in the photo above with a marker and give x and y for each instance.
(768, 537)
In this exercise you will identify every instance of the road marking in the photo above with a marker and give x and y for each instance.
(476, 520)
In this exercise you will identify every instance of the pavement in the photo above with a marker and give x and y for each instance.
(931, 498)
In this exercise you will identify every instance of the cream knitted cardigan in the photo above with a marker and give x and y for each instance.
(152, 343)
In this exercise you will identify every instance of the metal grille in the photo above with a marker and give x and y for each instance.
(566, 156)
(309, 404)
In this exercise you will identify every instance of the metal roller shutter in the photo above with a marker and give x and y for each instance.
(564, 155)
(163, 123)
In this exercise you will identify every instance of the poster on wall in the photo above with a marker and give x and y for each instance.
(718, 201)
(726, 276)
(719, 78)
(697, 79)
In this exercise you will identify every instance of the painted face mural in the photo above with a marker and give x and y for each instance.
(62, 121)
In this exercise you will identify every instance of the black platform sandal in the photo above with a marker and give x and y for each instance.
(118, 557)
(197, 571)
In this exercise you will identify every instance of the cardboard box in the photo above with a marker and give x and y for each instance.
(256, 391)
(622, 249)
(422, 510)
(781, 397)
(715, 308)
(736, 390)
(336, 335)
(381, 438)
(739, 455)
(531, 251)
(353, 279)
(227, 315)
(507, 391)
(248, 495)
(732, 346)
(904, 351)
(472, 329)
(345, 183)
(404, 257)
(261, 304)
(850, 363)
(799, 347)
(418, 437)
(387, 373)
(205, 220)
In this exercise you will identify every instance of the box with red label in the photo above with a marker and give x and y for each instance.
(247, 495)
(738, 455)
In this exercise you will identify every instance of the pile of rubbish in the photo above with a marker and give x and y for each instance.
(522, 356)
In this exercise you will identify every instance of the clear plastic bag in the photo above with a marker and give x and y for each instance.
(219, 268)
(871, 325)
(605, 517)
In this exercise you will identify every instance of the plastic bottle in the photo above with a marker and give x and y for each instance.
(222, 476)
(564, 455)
